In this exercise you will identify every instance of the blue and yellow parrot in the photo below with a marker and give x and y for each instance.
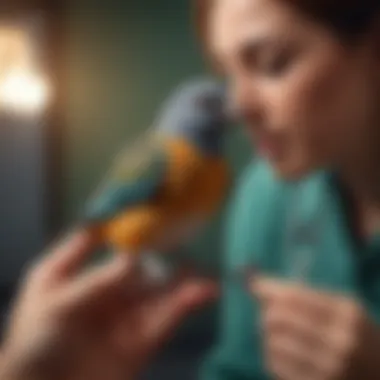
(171, 181)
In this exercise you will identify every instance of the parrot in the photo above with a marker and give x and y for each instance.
(165, 186)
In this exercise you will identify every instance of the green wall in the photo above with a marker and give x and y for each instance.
(123, 59)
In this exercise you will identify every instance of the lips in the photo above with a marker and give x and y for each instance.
(270, 148)
(267, 146)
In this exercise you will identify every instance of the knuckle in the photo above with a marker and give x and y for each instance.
(273, 319)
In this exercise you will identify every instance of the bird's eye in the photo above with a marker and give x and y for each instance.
(210, 104)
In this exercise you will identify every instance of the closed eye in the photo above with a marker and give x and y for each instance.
(268, 57)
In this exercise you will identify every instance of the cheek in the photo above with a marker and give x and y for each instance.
(312, 107)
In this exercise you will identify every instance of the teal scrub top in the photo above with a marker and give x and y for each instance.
(299, 231)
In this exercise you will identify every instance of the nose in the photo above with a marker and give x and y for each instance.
(245, 102)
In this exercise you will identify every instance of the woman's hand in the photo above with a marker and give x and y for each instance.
(315, 336)
(100, 324)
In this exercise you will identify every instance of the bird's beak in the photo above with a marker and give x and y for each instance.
(228, 115)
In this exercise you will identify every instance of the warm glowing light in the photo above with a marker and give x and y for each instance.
(23, 92)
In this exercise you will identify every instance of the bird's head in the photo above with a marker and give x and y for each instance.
(197, 112)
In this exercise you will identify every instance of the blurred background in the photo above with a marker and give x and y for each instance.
(78, 79)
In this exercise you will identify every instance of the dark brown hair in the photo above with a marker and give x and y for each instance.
(348, 19)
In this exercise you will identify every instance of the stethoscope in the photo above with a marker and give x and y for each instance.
(300, 242)
(303, 236)
(303, 239)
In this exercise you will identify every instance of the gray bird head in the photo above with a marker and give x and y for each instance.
(197, 112)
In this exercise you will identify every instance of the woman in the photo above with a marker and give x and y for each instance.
(304, 76)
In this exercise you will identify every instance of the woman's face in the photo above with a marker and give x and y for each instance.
(306, 99)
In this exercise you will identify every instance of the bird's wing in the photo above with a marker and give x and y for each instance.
(136, 177)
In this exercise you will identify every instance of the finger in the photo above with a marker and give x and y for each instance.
(186, 274)
(317, 305)
(278, 320)
(143, 291)
(326, 345)
(144, 285)
(283, 369)
(293, 348)
(165, 313)
(101, 282)
(156, 318)
(288, 358)
(68, 257)
(281, 320)
(46, 270)
(267, 289)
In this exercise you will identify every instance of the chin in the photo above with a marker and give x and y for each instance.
(288, 170)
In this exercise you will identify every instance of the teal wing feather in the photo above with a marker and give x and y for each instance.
(136, 177)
